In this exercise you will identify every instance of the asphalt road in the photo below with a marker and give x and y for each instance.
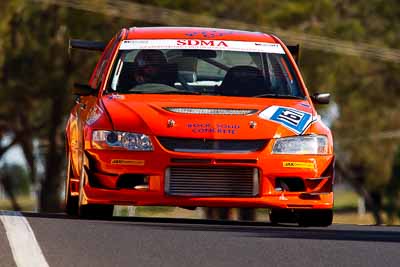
(66, 241)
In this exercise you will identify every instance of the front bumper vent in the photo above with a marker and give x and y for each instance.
(212, 181)
(211, 111)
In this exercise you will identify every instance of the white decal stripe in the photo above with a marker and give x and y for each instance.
(268, 112)
(311, 122)
(24, 246)
(259, 47)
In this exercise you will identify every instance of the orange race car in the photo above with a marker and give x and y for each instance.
(198, 117)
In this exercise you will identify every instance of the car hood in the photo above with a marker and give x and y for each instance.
(178, 116)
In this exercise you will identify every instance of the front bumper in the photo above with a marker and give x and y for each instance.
(128, 197)
(312, 189)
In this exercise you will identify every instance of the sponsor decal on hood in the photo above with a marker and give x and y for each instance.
(295, 120)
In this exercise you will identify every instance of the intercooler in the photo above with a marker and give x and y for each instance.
(213, 181)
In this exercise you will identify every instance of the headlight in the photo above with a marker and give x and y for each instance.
(301, 145)
(121, 140)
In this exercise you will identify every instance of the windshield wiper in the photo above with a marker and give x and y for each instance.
(280, 96)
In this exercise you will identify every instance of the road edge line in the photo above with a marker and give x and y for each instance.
(23, 243)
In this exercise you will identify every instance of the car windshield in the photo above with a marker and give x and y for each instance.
(210, 70)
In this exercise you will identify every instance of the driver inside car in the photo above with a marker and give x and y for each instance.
(149, 67)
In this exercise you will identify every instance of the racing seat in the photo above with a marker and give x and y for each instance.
(243, 81)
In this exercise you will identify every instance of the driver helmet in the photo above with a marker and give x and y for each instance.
(149, 65)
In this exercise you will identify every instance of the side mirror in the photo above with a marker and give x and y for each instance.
(82, 90)
(321, 98)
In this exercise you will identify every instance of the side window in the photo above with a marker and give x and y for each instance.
(281, 75)
(101, 65)
(98, 70)
(100, 73)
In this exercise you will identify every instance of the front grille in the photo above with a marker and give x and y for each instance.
(212, 181)
(207, 145)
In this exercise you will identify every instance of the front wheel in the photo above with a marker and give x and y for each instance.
(277, 216)
(318, 218)
(71, 202)
(304, 218)
(96, 211)
(89, 211)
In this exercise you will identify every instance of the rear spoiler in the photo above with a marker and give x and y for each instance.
(295, 51)
(87, 45)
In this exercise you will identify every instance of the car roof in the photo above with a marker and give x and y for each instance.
(197, 33)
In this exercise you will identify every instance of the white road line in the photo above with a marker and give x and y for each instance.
(24, 246)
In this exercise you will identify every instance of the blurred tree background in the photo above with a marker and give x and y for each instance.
(37, 72)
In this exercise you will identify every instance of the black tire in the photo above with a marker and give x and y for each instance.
(71, 202)
(92, 211)
(89, 211)
(277, 216)
(316, 218)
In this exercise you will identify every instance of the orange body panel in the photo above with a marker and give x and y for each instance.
(147, 114)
